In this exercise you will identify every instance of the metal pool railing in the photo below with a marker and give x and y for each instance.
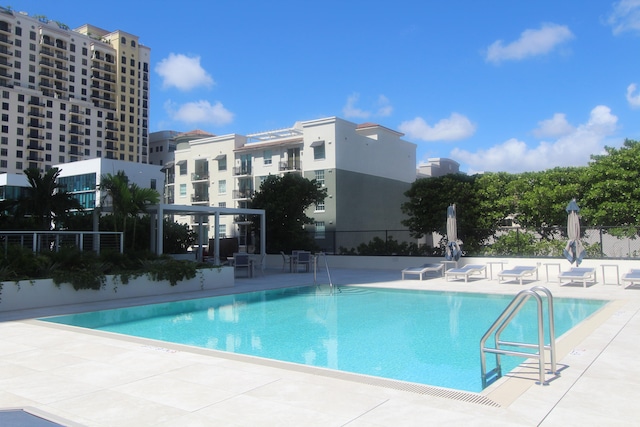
(41, 241)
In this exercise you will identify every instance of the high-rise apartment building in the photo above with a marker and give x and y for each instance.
(69, 95)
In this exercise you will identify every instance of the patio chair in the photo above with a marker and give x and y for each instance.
(632, 277)
(424, 269)
(261, 263)
(579, 274)
(518, 272)
(466, 271)
(302, 258)
(286, 259)
(240, 262)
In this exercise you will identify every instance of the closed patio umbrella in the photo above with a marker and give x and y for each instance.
(574, 251)
(452, 250)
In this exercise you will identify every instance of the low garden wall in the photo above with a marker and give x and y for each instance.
(29, 294)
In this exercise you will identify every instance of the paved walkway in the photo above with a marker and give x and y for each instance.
(77, 377)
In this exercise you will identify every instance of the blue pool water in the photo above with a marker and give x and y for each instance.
(418, 336)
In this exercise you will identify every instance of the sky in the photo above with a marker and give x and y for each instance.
(496, 85)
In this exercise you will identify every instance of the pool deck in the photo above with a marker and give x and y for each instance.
(76, 377)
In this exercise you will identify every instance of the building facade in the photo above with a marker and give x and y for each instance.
(69, 95)
(82, 179)
(365, 168)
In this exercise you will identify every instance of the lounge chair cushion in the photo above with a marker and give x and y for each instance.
(580, 274)
(518, 272)
(466, 271)
(423, 269)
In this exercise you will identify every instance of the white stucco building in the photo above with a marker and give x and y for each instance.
(366, 168)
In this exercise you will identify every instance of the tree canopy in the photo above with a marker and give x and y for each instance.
(45, 201)
(606, 190)
(285, 200)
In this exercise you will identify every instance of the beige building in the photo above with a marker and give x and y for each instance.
(366, 168)
(69, 95)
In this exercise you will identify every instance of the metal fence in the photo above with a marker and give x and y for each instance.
(599, 243)
(40, 241)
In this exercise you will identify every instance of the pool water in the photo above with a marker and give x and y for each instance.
(417, 336)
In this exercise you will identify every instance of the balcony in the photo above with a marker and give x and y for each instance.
(291, 165)
(242, 194)
(200, 198)
(200, 176)
(242, 170)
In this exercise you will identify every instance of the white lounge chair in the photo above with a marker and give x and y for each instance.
(518, 273)
(424, 269)
(579, 274)
(466, 271)
(632, 276)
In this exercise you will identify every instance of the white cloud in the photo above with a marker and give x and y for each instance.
(553, 127)
(183, 72)
(573, 149)
(625, 16)
(382, 108)
(454, 128)
(632, 98)
(199, 112)
(531, 43)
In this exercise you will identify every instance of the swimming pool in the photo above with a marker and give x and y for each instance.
(423, 337)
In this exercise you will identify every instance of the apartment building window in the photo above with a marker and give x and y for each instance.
(320, 207)
(320, 230)
(318, 150)
(183, 167)
(222, 163)
(183, 190)
(267, 155)
(19, 165)
(3, 164)
(222, 204)
(222, 231)
(319, 176)
(222, 186)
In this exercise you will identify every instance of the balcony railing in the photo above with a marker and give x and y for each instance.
(200, 198)
(200, 176)
(243, 194)
(242, 170)
(291, 165)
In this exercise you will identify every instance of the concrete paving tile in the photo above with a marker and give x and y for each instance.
(336, 400)
(174, 392)
(45, 388)
(232, 380)
(110, 408)
(248, 411)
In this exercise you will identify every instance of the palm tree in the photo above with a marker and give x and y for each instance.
(126, 199)
(46, 202)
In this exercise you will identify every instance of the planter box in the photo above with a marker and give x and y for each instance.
(44, 293)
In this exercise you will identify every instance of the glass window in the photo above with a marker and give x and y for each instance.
(267, 157)
(222, 163)
(318, 152)
(222, 186)
(320, 207)
(183, 190)
(320, 230)
(183, 167)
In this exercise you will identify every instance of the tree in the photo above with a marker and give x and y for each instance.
(285, 200)
(612, 195)
(46, 202)
(428, 202)
(540, 198)
(127, 200)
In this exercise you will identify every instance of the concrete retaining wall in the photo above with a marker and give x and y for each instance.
(44, 293)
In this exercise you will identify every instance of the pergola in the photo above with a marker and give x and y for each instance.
(157, 213)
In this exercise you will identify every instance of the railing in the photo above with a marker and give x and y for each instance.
(600, 243)
(501, 324)
(40, 241)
